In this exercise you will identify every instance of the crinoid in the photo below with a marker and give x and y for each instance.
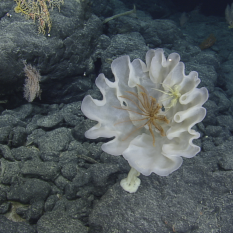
(173, 95)
(148, 109)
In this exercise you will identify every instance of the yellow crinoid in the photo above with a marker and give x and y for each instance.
(148, 109)
(173, 94)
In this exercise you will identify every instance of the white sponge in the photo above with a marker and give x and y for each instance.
(150, 110)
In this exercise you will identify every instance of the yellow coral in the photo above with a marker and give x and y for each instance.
(38, 10)
(21, 7)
